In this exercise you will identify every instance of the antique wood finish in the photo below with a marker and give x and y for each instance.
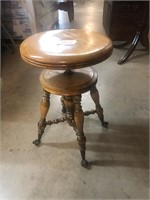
(79, 120)
(63, 105)
(70, 85)
(69, 108)
(45, 104)
(62, 53)
(65, 49)
(63, 83)
(99, 110)
(127, 22)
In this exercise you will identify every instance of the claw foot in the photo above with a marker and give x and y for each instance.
(105, 124)
(63, 110)
(36, 142)
(84, 163)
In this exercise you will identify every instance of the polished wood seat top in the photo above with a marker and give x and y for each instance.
(65, 49)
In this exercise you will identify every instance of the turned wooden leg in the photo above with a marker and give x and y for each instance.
(45, 104)
(63, 105)
(95, 96)
(69, 106)
(79, 121)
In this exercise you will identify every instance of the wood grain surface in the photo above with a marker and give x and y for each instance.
(65, 49)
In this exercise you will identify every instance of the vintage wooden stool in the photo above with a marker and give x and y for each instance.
(66, 56)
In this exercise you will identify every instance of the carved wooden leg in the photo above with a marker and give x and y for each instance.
(95, 96)
(45, 104)
(79, 121)
(63, 105)
(69, 106)
(133, 45)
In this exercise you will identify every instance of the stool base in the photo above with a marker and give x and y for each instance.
(73, 114)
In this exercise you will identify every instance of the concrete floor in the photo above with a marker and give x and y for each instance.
(118, 156)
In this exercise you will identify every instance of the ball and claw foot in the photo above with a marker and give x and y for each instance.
(84, 163)
(105, 124)
(36, 142)
(63, 110)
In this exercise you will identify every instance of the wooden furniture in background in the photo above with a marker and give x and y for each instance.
(68, 7)
(128, 22)
(67, 55)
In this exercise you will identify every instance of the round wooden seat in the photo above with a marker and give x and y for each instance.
(70, 83)
(66, 49)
